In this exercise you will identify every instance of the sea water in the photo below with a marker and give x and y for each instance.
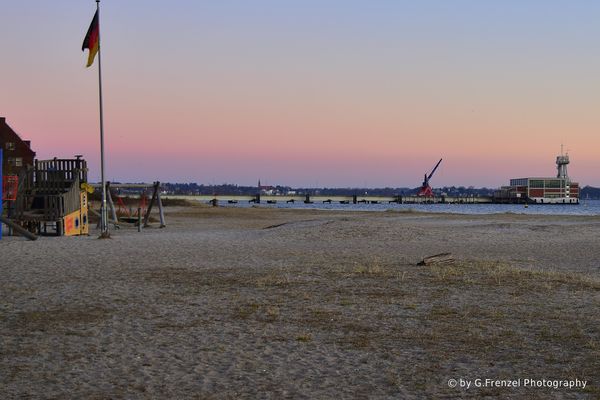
(585, 207)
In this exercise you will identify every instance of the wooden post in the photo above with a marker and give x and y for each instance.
(99, 223)
(139, 223)
(97, 214)
(161, 212)
(111, 205)
(154, 194)
(8, 215)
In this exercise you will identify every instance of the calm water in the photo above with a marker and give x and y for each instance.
(589, 207)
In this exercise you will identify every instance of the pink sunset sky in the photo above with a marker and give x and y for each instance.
(310, 93)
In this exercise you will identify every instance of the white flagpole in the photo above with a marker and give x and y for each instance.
(104, 233)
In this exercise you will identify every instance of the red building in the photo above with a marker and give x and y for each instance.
(17, 152)
(545, 190)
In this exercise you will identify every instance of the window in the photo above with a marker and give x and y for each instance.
(9, 146)
(15, 161)
(536, 183)
(553, 183)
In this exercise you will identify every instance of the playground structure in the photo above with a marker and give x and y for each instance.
(50, 198)
(8, 193)
(139, 216)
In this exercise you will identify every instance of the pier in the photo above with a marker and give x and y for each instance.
(260, 198)
(321, 199)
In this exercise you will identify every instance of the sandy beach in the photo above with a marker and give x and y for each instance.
(229, 303)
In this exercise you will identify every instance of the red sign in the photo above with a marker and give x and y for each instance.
(10, 184)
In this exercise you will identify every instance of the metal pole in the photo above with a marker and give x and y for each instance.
(103, 208)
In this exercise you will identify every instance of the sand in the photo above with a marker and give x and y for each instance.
(261, 303)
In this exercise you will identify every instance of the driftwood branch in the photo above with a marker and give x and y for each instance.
(438, 259)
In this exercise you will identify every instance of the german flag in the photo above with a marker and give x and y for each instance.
(92, 40)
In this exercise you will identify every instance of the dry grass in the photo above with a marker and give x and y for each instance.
(477, 310)
(505, 274)
(370, 268)
(245, 311)
(273, 278)
(488, 312)
(304, 337)
(199, 279)
(55, 319)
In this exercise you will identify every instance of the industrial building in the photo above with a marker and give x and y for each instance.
(543, 190)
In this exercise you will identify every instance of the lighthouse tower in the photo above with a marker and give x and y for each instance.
(561, 164)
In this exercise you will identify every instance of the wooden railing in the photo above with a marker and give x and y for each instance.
(64, 169)
(48, 195)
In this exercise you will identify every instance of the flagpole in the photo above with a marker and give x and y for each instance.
(104, 233)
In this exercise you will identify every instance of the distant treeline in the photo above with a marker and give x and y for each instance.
(590, 192)
(231, 189)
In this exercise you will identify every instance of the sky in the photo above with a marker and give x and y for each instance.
(307, 93)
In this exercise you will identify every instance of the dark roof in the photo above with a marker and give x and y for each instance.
(7, 134)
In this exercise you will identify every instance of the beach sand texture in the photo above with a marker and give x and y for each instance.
(265, 303)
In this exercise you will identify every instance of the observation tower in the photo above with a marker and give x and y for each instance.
(561, 165)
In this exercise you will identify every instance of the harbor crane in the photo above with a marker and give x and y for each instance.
(425, 189)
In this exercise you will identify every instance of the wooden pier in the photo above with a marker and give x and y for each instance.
(323, 199)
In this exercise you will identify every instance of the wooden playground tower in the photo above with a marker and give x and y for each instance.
(52, 197)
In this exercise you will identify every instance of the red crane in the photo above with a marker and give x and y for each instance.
(425, 188)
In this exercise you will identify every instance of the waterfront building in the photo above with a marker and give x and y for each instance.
(544, 190)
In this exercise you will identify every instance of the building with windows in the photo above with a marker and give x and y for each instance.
(555, 190)
(545, 190)
(17, 152)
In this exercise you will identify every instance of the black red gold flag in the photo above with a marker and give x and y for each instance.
(92, 40)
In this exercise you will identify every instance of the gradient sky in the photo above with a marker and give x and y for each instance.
(310, 92)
